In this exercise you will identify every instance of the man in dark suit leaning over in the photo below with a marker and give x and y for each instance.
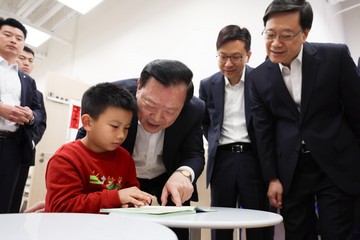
(165, 138)
(233, 169)
(306, 111)
(20, 111)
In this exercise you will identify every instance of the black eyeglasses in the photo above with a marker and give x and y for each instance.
(234, 59)
(284, 36)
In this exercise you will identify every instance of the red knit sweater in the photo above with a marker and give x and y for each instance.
(80, 180)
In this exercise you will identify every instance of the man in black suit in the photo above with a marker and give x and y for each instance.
(233, 169)
(165, 137)
(19, 111)
(357, 204)
(25, 62)
(306, 111)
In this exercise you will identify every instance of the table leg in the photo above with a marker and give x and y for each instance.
(195, 233)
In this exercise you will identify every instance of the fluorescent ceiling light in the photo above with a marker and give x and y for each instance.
(35, 37)
(81, 6)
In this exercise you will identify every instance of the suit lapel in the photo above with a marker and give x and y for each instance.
(129, 142)
(23, 88)
(218, 91)
(275, 78)
(247, 97)
(309, 72)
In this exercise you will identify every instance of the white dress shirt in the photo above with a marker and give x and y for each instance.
(293, 78)
(234, 122)
(10, 91)
(147, 153)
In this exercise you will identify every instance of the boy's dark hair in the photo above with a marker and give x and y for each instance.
(103, 95)
(29, 50)
(13, 23)
(168, 72)
(234, 32)
(283, 6)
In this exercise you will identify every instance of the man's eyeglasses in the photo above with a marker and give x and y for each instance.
(284, 36)
(234, 59)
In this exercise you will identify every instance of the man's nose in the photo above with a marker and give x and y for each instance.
(157, 115)
(13, 39)
(228, 61)
(276, 41)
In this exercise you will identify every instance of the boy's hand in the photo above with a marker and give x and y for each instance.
(134, 196)
(37, 207)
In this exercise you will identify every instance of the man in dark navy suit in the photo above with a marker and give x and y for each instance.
(306, 112)
(25, 62)
(19, 111)
(233, 168)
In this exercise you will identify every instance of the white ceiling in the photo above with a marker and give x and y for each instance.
(45, 15)
(50, 15)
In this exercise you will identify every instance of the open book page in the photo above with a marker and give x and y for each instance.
(157, 210)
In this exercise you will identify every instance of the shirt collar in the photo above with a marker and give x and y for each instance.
(242, 79)
(298, 59)
(4, 62)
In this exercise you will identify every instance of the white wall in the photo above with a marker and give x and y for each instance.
(351, 27)
(118, 38)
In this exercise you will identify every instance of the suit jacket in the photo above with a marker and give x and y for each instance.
(38, 131)
(183, 142)
(328, 121)
(29, 98)
(212, 92)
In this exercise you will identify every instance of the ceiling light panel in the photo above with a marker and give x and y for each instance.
(81, 6)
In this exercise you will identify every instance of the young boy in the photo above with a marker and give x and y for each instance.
(95, 172)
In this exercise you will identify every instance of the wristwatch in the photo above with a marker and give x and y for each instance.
(31, 121)
(186, 173)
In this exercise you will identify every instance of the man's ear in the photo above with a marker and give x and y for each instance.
(138, 84)
(248, 55)
(86, 121)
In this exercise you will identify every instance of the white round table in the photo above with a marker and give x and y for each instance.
(71, 226)
(221, 218)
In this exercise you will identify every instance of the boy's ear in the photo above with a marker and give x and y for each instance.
(86, 121)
